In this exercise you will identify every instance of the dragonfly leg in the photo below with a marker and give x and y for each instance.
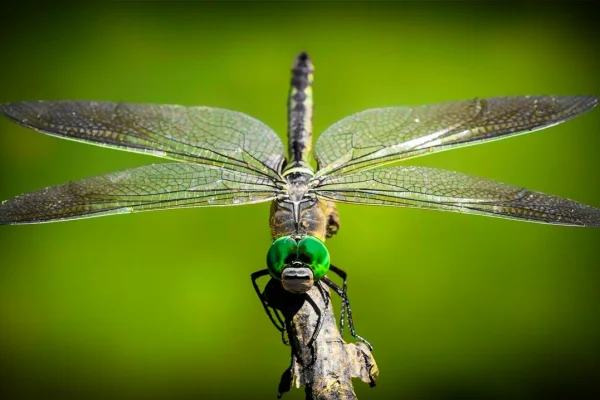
(342, 274)
(319, 319)
(341, 293)
(323, 294)
(284, 333)
(277, 320)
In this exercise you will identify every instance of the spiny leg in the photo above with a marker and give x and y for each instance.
(279, 324)
(284, 339)
(325, 297)
(323, 294)
(342, 274)
(319, 319)
(341, 293)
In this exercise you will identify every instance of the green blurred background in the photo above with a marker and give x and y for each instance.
(160, 305)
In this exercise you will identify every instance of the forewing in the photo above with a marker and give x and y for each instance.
(379, 136)
(202, 135)
(452, 191)
(151, 187)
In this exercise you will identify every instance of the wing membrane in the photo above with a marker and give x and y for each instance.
(379, 136)
(151, 187)
(194, 134)
(452, 191)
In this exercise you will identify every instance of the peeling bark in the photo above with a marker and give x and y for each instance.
(326, 366)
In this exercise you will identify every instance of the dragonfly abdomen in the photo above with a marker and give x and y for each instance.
(300, 106)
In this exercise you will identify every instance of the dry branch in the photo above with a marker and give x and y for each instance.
(327, 366)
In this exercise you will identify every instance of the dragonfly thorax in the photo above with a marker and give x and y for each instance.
(297, 192)
(297, 211)
(297, 176)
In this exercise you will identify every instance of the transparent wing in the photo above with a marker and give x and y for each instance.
(194, 134)
(151, 187)
(379, 136)
(452, 191)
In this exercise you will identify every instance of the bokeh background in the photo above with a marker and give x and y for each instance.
(160, 305)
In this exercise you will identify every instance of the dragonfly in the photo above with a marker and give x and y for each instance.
(225, 158)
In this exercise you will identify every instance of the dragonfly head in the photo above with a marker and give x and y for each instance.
(298, 262)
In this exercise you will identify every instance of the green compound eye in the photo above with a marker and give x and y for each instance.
(314, 253)
(283, 251)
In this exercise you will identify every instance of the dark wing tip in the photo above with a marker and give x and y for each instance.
(8, 108)
(592, 217)
(593, 100)
(566, 106)
(21, 111)
(572, 212)
(13, 212)
(578, 105)
(586, 102)
(6, 216)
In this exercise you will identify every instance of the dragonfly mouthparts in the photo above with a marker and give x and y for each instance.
(297, 279)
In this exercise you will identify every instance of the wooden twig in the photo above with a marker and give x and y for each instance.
(324, 365)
